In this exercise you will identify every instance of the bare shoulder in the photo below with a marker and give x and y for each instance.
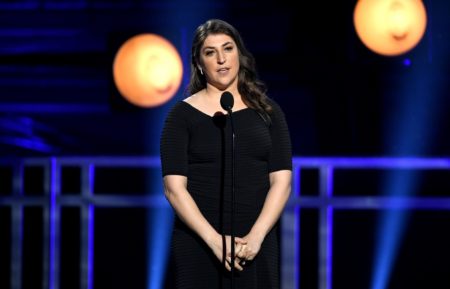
(189, 99)
(196, 102)
(194, 99)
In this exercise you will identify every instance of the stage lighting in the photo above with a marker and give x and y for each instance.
(390, 27)
(147, 70)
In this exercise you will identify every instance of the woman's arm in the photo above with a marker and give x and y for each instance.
(175, 190)
(277, 197)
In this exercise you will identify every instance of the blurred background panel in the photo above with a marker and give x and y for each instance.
(57, 94)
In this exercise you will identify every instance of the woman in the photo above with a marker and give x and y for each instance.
(196, 165)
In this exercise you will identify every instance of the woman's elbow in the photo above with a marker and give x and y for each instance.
(167, 193)
(172, 185)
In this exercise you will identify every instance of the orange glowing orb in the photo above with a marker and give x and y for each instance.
(147, 70)
(390, 27)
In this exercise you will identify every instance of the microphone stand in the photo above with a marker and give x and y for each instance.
(227, 101)
(232, 197)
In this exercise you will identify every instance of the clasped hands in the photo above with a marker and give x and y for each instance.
(246, 249)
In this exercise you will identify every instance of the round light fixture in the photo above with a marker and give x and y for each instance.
(390, 27)
(147, 70)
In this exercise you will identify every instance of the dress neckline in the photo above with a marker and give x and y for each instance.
(211, 116)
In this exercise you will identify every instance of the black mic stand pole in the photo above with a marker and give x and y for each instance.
(227, 101)
(232, 198)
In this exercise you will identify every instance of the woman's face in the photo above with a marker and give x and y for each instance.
(219, 60)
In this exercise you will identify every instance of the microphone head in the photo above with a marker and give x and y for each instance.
(227, 101)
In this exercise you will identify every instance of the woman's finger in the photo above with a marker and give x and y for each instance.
(238, 250)
(227, 266)
(241, 254)
(240, 240)
(237, 264)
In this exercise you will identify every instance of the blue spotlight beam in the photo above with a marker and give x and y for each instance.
(160, 221)
(159, 232)
(411, 128)
(391, 227)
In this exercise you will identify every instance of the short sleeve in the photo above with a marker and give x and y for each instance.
(174, 144)
(281, 152)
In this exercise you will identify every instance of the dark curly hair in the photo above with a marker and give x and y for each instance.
(251, 88)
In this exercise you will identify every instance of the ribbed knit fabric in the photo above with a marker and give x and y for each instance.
(198, 146)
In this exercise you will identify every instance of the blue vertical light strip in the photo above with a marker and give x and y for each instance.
(330, 247)
(329, 265)
(325, 231)
(87, 226)
(54, 224)
(90, 249)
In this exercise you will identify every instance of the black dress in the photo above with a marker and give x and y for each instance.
(198, 146)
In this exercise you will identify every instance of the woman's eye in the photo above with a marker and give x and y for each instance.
(228, 48)
(208, 53)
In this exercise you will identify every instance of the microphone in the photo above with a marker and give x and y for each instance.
(227, 102)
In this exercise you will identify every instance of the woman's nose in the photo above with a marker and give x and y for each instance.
(221, 58)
